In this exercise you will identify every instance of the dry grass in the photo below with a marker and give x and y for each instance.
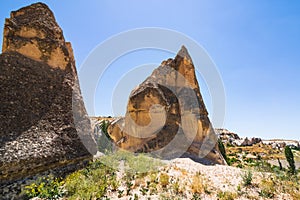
(267, 188)
(197, 185)
(257, 149)
(226, 195)
(293, 189)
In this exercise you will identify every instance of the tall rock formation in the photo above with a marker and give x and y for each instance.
(166, 115)
(43, 121)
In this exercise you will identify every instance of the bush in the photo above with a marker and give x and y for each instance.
(46, 187)
(164, 179)
(233, 160)
(196, 196)
(105, 143)
(268, 188)
(226, 195)
(263, 166)
(247, 178)
(290, 159)
(222, 149)
(91, 182)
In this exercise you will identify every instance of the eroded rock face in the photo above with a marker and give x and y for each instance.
(251, 141)
(33, 32)
(166, 115)
(43, 121)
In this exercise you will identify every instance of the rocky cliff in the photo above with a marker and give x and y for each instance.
(43, 121)
(166, 115)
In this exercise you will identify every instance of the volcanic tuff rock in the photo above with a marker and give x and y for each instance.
(166, 115)
(251, 141)
(43, 121)
(33, 32)
(224, 134)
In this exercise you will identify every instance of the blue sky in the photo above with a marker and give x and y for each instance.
(255, 45)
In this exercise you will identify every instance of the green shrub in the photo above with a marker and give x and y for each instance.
(268, 188)
(144, 190)
(128, 187)
(226, 195)
(135, 197)
(290, 159)
(247, 178)
(222, 149)
(176, 186)
(105, 143)
(240, 165)
(233, 160)
(263, 166)
(46, 187)
(91, 182)
(120, 193)
(196, 196)
(164, 179)
(229, 145)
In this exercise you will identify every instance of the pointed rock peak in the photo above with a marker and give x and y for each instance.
(36, 7)
(39, 5)
(166, 116)
(183, 53)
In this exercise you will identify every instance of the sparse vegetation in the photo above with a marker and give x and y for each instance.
(135, 165)
(197, 185)
(91, 182)
(267, 188)
(144, 177)
(226, 195)
(47, 187)
(247, 178)
(196, 196)
(164, 179)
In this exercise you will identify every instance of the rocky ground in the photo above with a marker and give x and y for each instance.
(191, 180)
(249, 175)
(131, 176)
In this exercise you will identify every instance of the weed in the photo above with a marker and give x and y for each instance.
(128, 185)
(144, 190)
(267, 187)
(247, 178)
(164, 179)
(46, 187)
(176, 187)
(120, 193)
(197, 184)
(226, 195)
(91, 182)
(196, 196)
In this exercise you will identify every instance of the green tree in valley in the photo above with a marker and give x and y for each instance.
(290, 159)
(222, 149)
(105, 143)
